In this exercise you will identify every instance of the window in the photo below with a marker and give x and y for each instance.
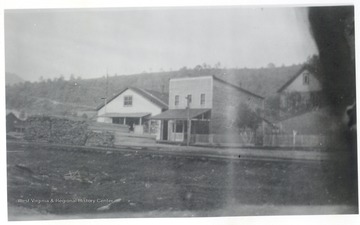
(178, 127)
(188, 99)
(306, 79)
(128, 100)
(118, 120)
(176, 100)
(202, 99)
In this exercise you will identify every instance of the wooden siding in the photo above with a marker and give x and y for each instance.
(225, 101)
(196, 86)
(298, 85)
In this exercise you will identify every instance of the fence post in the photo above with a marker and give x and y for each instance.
(294, 138)
(211, 138)
(302, 140)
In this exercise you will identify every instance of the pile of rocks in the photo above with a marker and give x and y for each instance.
(37, 129)
(56, 130)
(61, 130)
(104, 138)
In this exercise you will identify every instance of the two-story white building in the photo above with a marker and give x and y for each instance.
(133, 107)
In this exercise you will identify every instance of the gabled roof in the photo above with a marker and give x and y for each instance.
(292, 79)
(158, 98)
(237, 87)
(12, 116)
(153, 96)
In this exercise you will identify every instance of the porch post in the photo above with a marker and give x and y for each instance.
(161, 129)
(124, 120)
(140, 120)
(174, 133)
(189, 132)
(189, 121)
(183, 129)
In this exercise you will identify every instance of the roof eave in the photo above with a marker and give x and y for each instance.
(164, 106)
(291, 79)
(161, 102)
(112, 98)
(237, 87)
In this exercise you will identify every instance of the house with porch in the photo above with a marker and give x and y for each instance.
(133, 107)
(203, 106)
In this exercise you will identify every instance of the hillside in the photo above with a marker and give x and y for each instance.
(60, 96)
(12, 78)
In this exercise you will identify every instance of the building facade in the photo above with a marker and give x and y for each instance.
(133, 107)
(203, 105)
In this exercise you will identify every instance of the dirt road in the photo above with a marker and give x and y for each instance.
(62, 181)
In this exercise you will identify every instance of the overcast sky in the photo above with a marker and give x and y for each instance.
(88, 42)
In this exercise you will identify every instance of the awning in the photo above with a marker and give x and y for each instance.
(179, 114)
(128, 115)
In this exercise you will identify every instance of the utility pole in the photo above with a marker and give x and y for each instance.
(263, 122)
(106, 92)
(106, 88)
(188, 120)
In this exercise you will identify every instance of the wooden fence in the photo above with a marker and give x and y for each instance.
(295, 140)
(245, 139)
(271, 140)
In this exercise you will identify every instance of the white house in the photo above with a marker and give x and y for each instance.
(302, 88)
(302, 81)
(133, 107)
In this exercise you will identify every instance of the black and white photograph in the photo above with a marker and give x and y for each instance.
(180, 112)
